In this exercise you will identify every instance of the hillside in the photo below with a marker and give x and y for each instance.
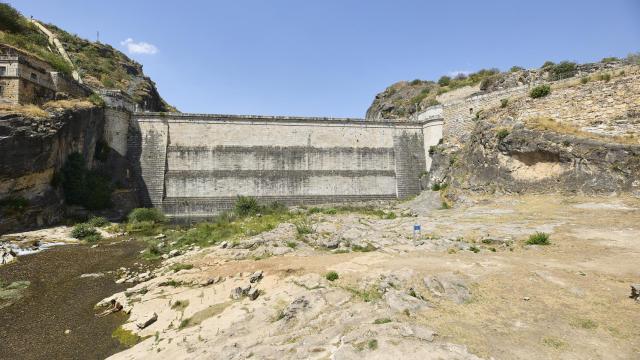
(406, 98)
(100, 65)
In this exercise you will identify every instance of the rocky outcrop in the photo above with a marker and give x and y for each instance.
(509, 157)
(32, 150)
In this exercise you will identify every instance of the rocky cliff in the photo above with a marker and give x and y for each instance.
(32, 151)
(512, 157)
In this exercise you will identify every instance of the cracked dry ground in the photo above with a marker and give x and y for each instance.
(467, 288)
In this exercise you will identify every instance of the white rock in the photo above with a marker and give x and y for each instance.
(146, 321)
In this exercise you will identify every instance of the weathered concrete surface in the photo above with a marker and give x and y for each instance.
(194, 166)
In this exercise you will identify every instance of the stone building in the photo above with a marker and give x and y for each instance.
(27, 79)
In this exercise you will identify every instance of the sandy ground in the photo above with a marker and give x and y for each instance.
(431, 297)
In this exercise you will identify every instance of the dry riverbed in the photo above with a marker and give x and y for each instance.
(466, 287)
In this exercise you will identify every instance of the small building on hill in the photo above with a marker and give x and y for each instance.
(27, 79)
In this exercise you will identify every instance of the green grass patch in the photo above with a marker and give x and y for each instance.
(382, 321)
(125, 337)
(553, 342)
(180, 305)
(292, 244)
(372, 344)
(366, 248)
(371, 294)
(584, 324)
(179, 266)
(332, 276)
(539, 238)
(97, 221)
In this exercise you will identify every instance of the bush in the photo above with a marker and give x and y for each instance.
(538, 238)
(247, 205)
(96, 100)
(584, 79)
(609, 59)
(504, 103)
(83, 230)
(97, 221)
(97, 194)
(415, 82)
(563, 70)
(304, 227)
(548, 65)
(516, 69)
(332, 276)
(10, 19)
(540, 91)
(444, 81)
(82, 187)
(502, 133)
(152, 215)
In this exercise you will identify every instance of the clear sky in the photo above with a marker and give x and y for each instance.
(330, 57)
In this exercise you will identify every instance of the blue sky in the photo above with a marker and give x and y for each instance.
(330, 57)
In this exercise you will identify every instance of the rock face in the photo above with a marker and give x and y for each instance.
(32, 150)
(523, 160)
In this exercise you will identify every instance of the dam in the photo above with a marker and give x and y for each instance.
(193, 166)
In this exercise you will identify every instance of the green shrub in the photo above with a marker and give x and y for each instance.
(415, 82)
(151, 215)
(540, 91)
(444, 80)
(304, 227)
(82, 187)
(372, 344)
(548, 65)
(332, 276)
(609, 59)
(11, 20)
(97, 221)
(585, 79)
(538, 238)
(97, 194)
(504, 103)
(634, 58)
(502, 133)
(83, 230)
(563, 70)
(516, 69)
(382, 321)
(96, 100)
(246, 205)
(474, 249)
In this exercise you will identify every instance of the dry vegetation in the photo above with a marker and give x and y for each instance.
(28, 110)
(548, 124)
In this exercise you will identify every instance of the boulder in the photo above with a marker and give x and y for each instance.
(635, 292)
(253, 293)
(146, 321)
(255, 277)
(236, 293)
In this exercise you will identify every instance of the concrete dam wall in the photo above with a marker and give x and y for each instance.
(194, 166)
